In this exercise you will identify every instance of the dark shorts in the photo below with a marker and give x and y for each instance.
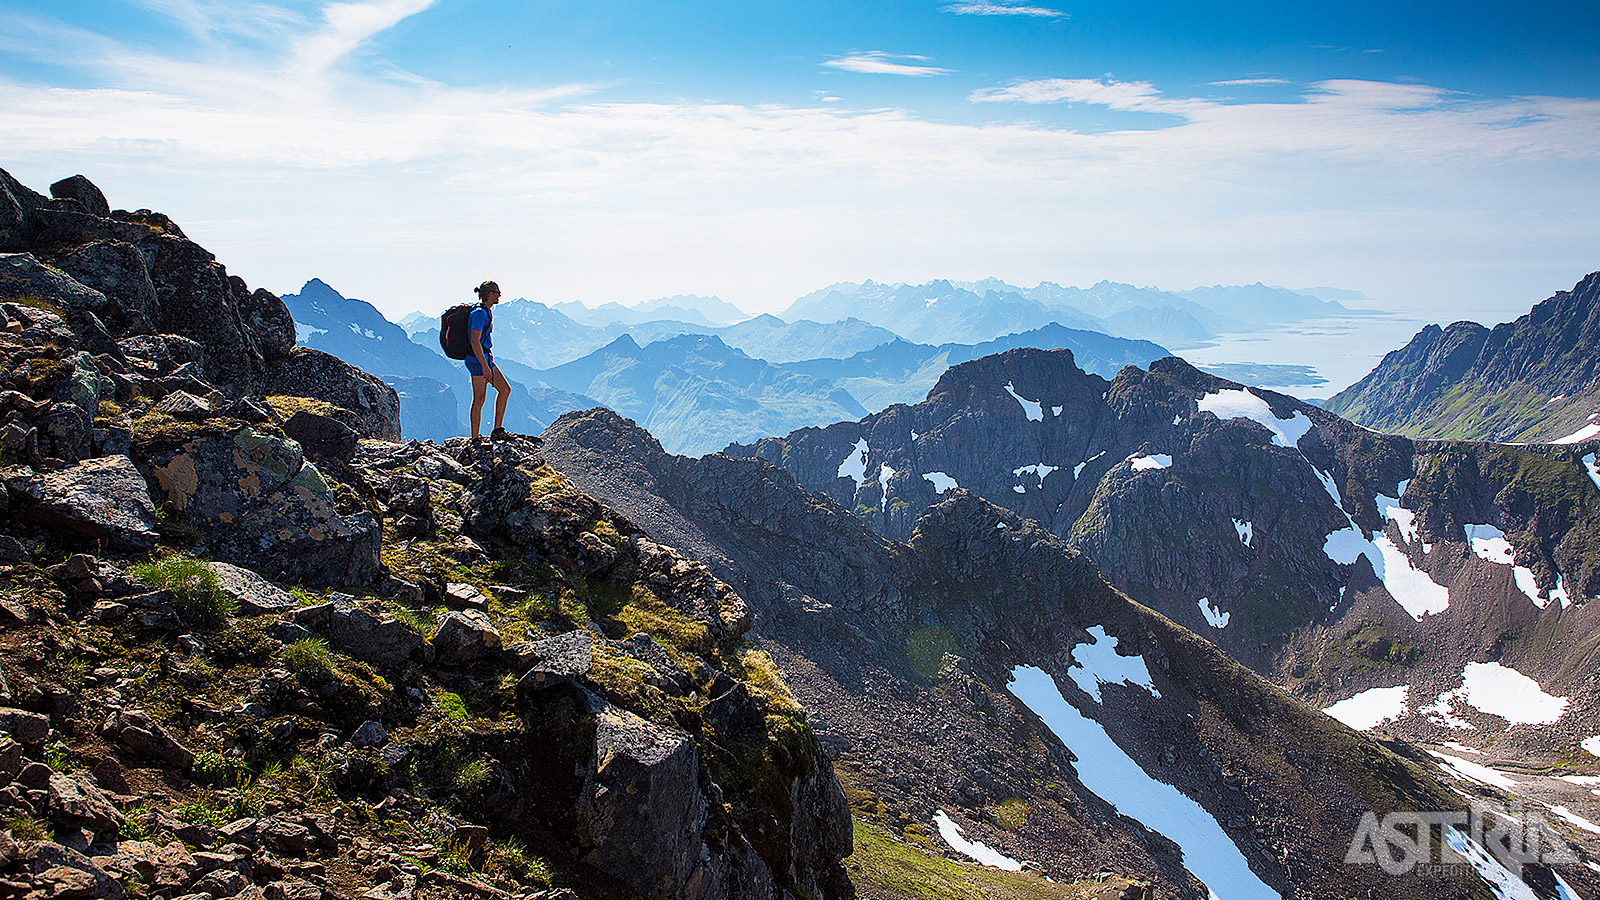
(472, 364)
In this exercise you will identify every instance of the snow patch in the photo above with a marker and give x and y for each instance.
(1594, 468)
(1246, 531)
(1582, 434)
(1472, 771)
(1078, 469)
(1412, 588)
(940, 481)
(1504, 884)
(854, 466)
(1110, 773)
(913, 437)
(1503, 691)
(1153, 461)
(1371, 707)
(1403, 518)
(1242, 404)
(1489, 542)
(1098, 662)
(1040, 469)
(951, 832)
(1463, 748)
(1574, 818)
(1215, 617)
(1591, 745)
(1055, 410)
(1030, 408)
(884, 474)
(307, 330)
(1177, 419)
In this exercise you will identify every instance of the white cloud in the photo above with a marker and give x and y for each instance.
(876, 62)
(346, 26)
(1250, 81)
(1002, 8)
(402, 191)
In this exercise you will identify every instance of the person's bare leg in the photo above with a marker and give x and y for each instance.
(480, 388)
(502, 393)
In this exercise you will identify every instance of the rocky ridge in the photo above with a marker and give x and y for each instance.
(254, 646)
(1535, 379)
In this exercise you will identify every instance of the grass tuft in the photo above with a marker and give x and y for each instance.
(195, 587)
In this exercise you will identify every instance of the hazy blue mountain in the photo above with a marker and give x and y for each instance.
(774, 340)
(435, 392)
(689, 308)
(1258, 304)
(696, 394)
(903, 372)
(935, 312)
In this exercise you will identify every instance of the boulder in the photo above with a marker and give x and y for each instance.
(25, 727)
(167, 351)
(268, 318)
(117, 270)
(464, 636)
(641, 812)
(378, 639)
(465, 595)
(197, 302)
(369, 734)
(81, 189)
(24, 277)
(99, 500)
(252, 595)
(184, 405)
(373, 407)
(322, 437)
(262, 506)
(555, 660)
(144, 735)
(74, 804)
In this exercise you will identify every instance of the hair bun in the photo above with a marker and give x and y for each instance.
(484, 288)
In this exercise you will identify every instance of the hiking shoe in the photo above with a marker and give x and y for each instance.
(500, 434)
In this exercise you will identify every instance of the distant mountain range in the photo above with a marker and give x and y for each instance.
(1535, 379)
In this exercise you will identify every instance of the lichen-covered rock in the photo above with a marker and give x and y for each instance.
(117, 270)
(373, 406)
(555, 660)
(322, 437)
(370, 637)
(98, 500)
(262, 506)
(81, 189)
(252, 595)
(197, 302)
(268, 319)
(641, 812)
(144, 735)
(464, 636)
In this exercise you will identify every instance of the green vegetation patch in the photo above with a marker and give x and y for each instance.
(884, 867)
(194, 585)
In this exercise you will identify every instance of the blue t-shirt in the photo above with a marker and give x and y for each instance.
(480, 320)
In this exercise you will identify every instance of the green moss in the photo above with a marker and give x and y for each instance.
(451, 706)
(1011, 813)
(648, 613)
(286, 406)
(888, 868)
(25, 828)
(193, 583)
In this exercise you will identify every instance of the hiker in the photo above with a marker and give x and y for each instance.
(480, 362)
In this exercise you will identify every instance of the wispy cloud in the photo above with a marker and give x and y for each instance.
(876, 62)
(346, 26)
(1135, 96)
(1003, 8)
(1250, 81)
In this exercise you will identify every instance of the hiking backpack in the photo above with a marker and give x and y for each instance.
(454, 337)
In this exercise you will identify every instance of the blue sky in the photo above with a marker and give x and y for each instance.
(1442, 158)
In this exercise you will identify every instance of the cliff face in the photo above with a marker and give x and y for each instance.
(907, 655)
(1535, 379)
(1323, 555)
(253, 646)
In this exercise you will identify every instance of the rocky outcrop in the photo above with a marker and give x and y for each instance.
(103, 501)
(1535, 379)
(365, 403)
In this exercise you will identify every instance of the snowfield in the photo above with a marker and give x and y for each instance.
(1098, 662)
(1215, 617)
(1503, 691)
(854, 466)
(951, 832)
(1593, 468)
(1030, 408)
(1246, 531)
(940, 481)
(1372, 707)
(1111, 774)
(1154, 461)
(1242, 404)
(1582, 434)
(884, 474)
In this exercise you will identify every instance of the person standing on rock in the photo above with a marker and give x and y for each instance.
(480, 363)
